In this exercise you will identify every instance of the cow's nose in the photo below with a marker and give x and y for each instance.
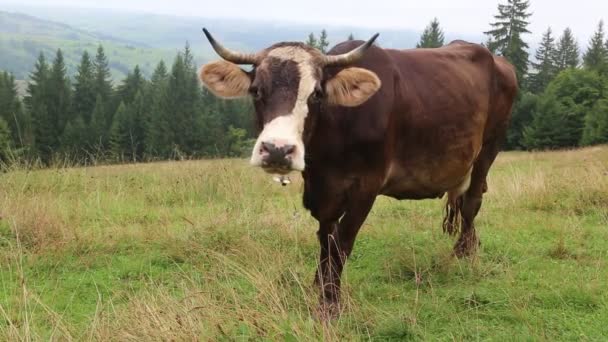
(275, 155)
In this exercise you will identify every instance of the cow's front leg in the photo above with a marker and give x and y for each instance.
(337, 241)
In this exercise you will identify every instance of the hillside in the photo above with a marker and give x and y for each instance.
(214, 250)
(165, 31)
(23, 37)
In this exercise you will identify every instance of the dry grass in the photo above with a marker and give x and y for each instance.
(214, 250)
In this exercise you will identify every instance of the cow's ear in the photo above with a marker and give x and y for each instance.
(352, 87)
(225, 79)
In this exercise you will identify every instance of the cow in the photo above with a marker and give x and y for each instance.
(362, 121)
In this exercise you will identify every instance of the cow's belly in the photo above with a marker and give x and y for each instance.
(429, 175)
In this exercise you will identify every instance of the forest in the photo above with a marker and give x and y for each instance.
(90, 118)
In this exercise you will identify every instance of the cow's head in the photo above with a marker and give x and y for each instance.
(288, 88)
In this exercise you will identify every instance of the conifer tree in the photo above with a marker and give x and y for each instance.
(185, 104)
(11, 110)
(59, 96)
(544, 65)
(323, 43)
(84, 89)
(158, 135)
(103, 81)
(432, 37)
(596, 56)
(312, 40)
(566, 52)
(97, 137)
(120, 134)
(505, 37)
(5, 142)
(350, 37)
(73, 139)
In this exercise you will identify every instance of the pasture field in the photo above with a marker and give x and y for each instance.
(216, 251)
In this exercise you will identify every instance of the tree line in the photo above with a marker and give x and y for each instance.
(563, 98)
(563, 102)
(86, 119)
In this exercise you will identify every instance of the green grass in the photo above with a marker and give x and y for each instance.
(214, 250)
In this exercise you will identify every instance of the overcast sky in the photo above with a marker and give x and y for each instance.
(455, 16)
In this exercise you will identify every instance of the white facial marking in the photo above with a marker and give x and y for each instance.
(287, 129)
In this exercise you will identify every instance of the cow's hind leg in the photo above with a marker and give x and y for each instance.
(470, 201)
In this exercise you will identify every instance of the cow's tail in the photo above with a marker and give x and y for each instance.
(451, 220)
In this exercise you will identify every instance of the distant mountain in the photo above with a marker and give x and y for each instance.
(163, 31)
(23, 37)
(146, 38)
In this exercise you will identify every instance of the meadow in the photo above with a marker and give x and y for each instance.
(216, 251)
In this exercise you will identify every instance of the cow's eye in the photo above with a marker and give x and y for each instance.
(255, 92)
(317, 95)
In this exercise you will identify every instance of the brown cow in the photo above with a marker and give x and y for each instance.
(364, 121)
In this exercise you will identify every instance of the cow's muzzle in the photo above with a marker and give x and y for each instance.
(277, 158)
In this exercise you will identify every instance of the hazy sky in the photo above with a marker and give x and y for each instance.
(456, 16)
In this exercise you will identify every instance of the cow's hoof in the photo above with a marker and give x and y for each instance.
(466, 246)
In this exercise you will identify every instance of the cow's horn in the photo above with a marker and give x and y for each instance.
(230, 55)
(350, 57)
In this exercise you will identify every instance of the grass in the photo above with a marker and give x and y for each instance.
(214, 250)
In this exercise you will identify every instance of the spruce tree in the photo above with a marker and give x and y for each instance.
(185, 104)
(120, 134)
(596, 56)
(97, 137)
(84, 89)
(139, 116)
(505, 37)
(566, 52)
(323, 43)
(312, 41)
(44, 134)
(73, 139)
(59, 95)
(10, 108)
(544, 65)
(158, 135)
(5, 142)
(432, 37)
(132, 84)
(103, 81)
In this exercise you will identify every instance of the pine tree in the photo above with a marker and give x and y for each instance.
(84, 89)
(97, 137)
(5, 142)
(73, 139)
(545, 65)
(505, 37)
(158, 135)
(323, 43)
(596, 56)
(432, 37)
(44, 134)
(59, 95)
(185, 104)
(133, 83)
(566, 52)
(10, 108)
(103, 81)
(350, 37)
(139, 117)
(312, 41)
(120, 134)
